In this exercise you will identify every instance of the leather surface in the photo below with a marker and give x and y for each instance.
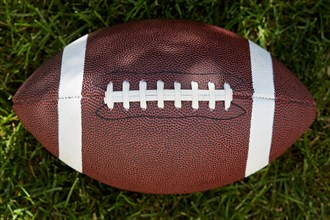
(166, 150)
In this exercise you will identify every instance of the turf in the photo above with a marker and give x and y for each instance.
(36, 185)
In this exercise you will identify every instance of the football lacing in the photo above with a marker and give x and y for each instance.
(176, 95)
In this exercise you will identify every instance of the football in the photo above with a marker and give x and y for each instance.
(165, 106)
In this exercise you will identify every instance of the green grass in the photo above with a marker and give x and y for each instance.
(36, 185)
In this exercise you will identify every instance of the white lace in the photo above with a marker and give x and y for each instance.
(143, 95)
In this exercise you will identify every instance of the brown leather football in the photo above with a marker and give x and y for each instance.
(165, 106)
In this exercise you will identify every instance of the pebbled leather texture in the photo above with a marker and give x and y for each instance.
(166, 150)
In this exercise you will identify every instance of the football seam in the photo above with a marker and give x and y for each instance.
(236, 97)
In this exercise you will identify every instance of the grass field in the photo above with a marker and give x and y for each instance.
(36, 185)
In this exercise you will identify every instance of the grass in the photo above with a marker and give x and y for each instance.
(36, 185)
